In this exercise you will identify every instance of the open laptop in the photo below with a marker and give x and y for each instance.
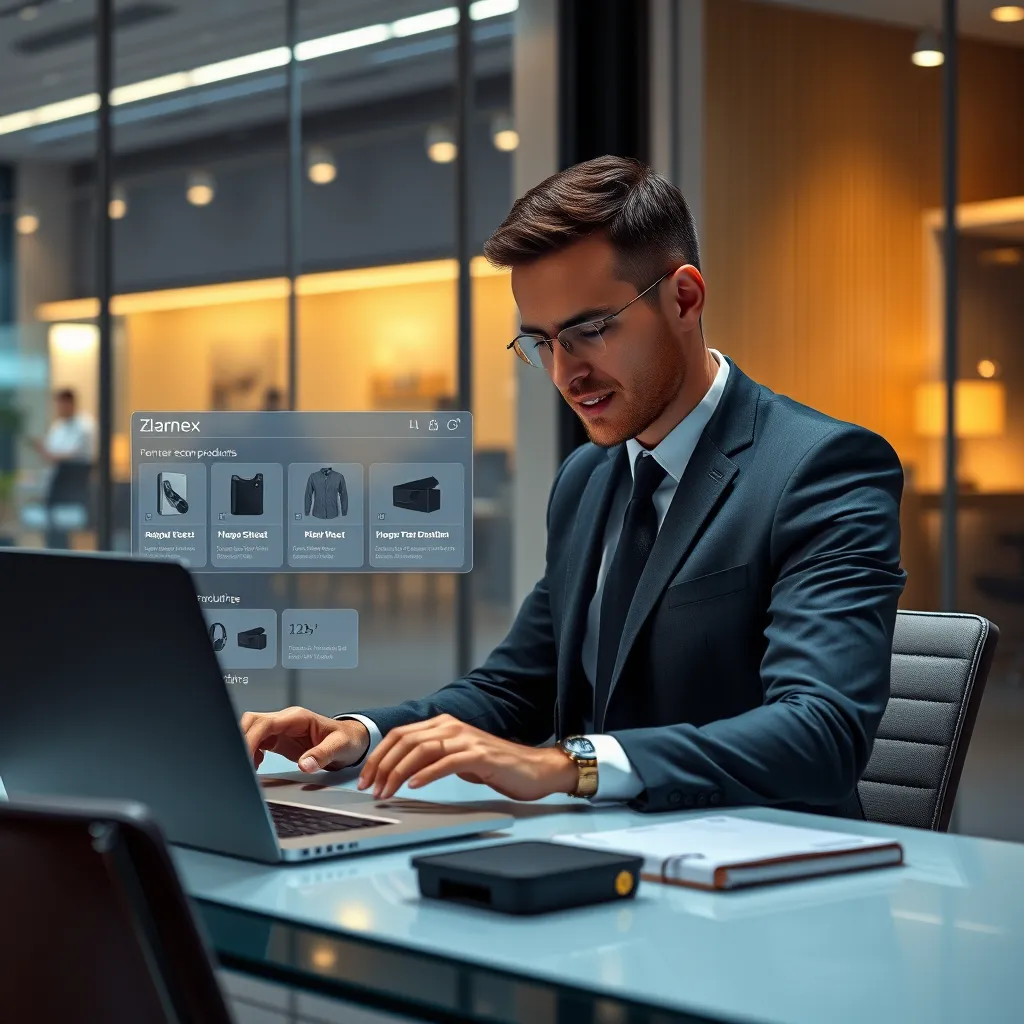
(110, 688)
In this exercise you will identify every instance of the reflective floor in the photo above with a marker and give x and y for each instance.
(260, 1002)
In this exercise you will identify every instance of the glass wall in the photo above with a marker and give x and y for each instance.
(816, 262)
(821, 200)
(201, 219)
(990, 399)
(47, 152)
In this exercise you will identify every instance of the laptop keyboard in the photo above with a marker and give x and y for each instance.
(292, 822)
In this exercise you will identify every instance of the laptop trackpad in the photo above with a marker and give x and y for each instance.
(315, 794)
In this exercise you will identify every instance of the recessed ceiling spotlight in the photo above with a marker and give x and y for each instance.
(320, 166)
(201, 188)
(441, 147)
(504, 134)
(27, 221)
(928, 50)
(118, 207)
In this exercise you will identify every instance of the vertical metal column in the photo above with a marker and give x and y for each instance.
(6, 244)
(950, 98)
(464, 254)
(293, 257)
(952, 303)
(104, 274)
(675, 112)
(603, 105)
(293, 214)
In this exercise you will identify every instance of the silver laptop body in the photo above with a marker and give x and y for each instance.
(110, 688)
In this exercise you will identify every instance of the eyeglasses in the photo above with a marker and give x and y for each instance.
(580, 339)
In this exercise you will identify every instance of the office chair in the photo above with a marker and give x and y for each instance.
(99, 927)
(940, 662)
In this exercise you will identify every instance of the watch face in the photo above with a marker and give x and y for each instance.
(580, 746)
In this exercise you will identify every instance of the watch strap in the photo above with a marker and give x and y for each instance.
(586, 771)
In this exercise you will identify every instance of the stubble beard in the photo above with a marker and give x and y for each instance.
(652, 392)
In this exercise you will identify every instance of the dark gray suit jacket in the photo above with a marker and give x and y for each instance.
(754, 664)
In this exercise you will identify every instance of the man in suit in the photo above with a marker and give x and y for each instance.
(714, 624)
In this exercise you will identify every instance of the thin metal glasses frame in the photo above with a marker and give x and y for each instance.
(595, 325)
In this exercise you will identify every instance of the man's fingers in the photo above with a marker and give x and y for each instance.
(259, 733)
(331, 752)
(464, 763)
(262, 730)
(399, 751)
(419, 756)
(399, 741)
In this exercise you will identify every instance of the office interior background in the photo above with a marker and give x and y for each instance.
(296, 234)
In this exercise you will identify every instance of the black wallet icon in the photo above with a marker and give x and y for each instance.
(418, 495)
(247, 495)
(253, 639)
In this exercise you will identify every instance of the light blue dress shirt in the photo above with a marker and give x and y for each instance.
(616, 779)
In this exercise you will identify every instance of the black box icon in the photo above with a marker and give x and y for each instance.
(418, 495)
(253, 639)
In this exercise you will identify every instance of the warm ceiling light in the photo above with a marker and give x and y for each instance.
(201, 188)
(251, 63)
(27, 222)
(429, 22)
(504, 134)
(1008, 13)
(1005, 256)
(118, 203)
(324, 283)
(320, 166)
(988, 368)
(928, 50)
(441, 146)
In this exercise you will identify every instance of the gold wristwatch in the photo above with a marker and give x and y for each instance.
(580, 750)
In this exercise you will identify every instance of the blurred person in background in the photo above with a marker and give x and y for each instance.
(68, 448)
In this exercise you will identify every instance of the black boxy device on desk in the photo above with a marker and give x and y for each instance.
(528, 877)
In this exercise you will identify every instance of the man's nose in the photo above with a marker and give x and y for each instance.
(566, 367)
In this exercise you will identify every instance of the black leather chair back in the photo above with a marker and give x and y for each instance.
(940, 662)
(96, 925)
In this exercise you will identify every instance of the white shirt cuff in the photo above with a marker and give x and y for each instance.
(371, 728)
(616, 779)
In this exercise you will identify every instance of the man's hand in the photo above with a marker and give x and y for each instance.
(311, 740)
(441, 746)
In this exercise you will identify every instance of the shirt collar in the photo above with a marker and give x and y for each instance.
(673, 453)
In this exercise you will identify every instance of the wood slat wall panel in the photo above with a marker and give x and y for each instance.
(822, 150)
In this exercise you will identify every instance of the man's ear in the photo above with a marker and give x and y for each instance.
(688, 295)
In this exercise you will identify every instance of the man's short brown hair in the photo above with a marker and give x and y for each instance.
(644, 217)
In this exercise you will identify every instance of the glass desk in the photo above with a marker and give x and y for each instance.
(939, 939)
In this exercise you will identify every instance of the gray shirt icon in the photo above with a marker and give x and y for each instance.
(326, 494)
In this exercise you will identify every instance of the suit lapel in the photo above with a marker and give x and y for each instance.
(585, 558)
(705, 483)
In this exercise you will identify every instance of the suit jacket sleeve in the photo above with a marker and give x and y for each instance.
(825, 672)
(512, 694)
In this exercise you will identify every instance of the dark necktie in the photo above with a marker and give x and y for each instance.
(639, 532)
